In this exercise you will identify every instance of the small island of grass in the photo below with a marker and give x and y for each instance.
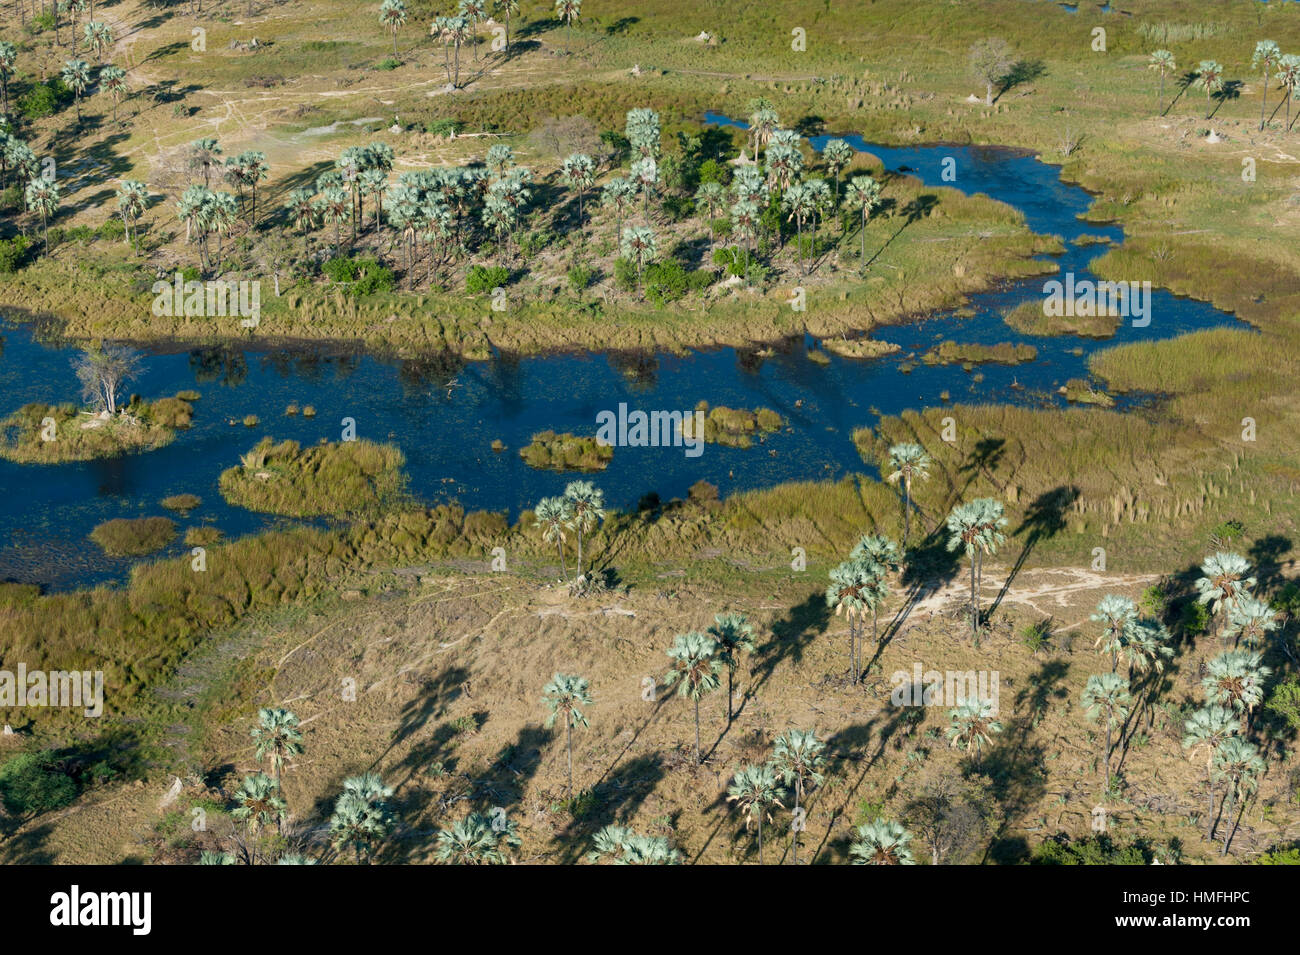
(49, 434)
(549, 451)
(1028, 318)
(1081, 392)
(134, 536)
(733, 427)
(337, 478)
(954, 353)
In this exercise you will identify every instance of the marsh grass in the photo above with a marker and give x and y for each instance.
(548, 451)
(347, 477)
(82, 436)
(134, 536)
(732, 427)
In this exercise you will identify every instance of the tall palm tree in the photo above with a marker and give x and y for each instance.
(881, 842)
(862, 193)
(1238, 762)
(1224, 579)
(784, 163)
(836, 155)
(1209, 77)
(1162, 61)
(193, 208)
(1145, 647)
(76, 77)
(854, 591)
(624, 846)
(302, 210)
(553, 514)
(695, 667)
(112, 80)
(798, 756)
(259, 804)
(991, 522)
(907, 462)
(43, 195)
(973, 727)
(586, 508)
(798, 201)
(1235, 678)
(566, 695)
(1106, 695)
(639, 245)
(203, 155)
(392, 14)
(509, 8)
(579, 174)
(711, 198)
(734, 635)
(474, 12)
(277, 735)
(763, 121)
(132, 198)
(475, 840)
(223, 212)
(1268, 56)
(618, 194)
(755, 790)
(964, 530)
(1209, 728)
(8, 57)
(1288, 73)
(99, 37)
(1115, 613)
(644, 175)
(568, 11)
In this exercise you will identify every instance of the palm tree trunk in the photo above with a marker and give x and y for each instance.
(563, 569)
(730, 671)
(579, 550)
(974, 620)
(1108, 722)
(760, 836)
(1232, 827)
(569, 731)
(1263, 103)
(697, 731)
(907, 511)
(1209, 788)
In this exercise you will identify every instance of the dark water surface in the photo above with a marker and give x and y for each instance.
(445, 416)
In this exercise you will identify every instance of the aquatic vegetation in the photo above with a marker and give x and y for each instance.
(734, 427)
(953, 353)
(134, 536)
(45, 434)
(548, 451)
(346, 477)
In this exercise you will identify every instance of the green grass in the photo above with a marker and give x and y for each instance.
(134, 537)
(347, 477)
(548, 451)
(46, 434)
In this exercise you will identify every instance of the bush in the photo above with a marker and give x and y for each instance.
(388, 63)
(580, 277)
(32, 783)
(44, 99)
(1093, 850)
(364, 274)
(484, 278)
(443, 127)
(713, 171)
(13, 254)
(112, 229)
(625, 276)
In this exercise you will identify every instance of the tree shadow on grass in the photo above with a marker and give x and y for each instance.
(615, 799)
(1043, 520)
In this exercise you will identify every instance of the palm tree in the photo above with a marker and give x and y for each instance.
(695, 667)
(991, 522)
(1239, 763)
(260, 804)
(1223, 581)
(862, 193)
(586, 508)
(568, 11)
(193, 209)
(392, 14)
(553, 514)
(1146, 647)
(1268, 56)
(566, 695)
(1209, 728)
(302, 210)
(798, 755)
(784, 163)
(203, 155)
(1235, 678)
(799, 202)
(907, 461)
(1162, 61)
(644, 174)
(1115, 613)
(132, 198)
(755, 790)
(223, 211)
(881, 842)
(973, 727)
(1209, 77)
(579, 174)
(473, 12)
(361, 817)
(1289, 74)
(295, 858)
(618, 194)
(99, 37)
(509, 8)
(624, 846)
(837, 154)
(210, 857)
(277, 734)
(1250, 621)
(336, 208)
(43, 195)
(8, 57)
(1107, 695)
(744, 226)
(854, 590)
(112, 80)
(477, 840)
(964, 530)
(734, 635)
(763, 121)
(638, 244)
(76, 77)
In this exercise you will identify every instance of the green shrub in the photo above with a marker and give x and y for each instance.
(388, 63)
(44, 99)
(1092, 850)
(443, 127)
(112, 229)
(32, 783)
(625, 276)
(485, 278)
(580, 277)
(13, 254)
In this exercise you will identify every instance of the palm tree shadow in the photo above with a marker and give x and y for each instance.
(791, 636)
(1043, 520)
(1231, 90)
(915, 210)
(617, 800)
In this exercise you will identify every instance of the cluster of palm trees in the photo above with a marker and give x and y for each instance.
(699, 657)
(361, 819)
(580, 509)
(1208, 76)
(206, 211)
(859, 587)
